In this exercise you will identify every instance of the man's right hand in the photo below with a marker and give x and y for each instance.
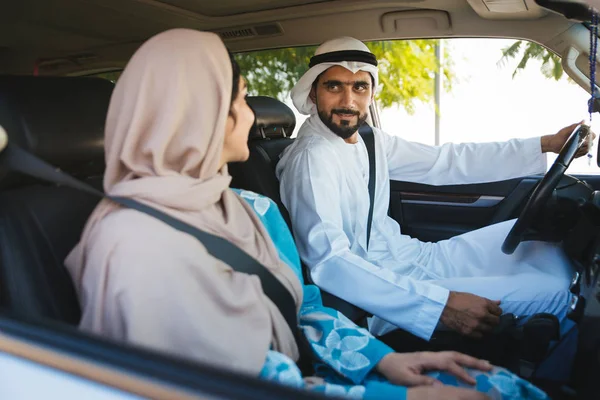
(471, 315)
(443, 393)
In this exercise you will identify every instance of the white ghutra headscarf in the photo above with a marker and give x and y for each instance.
(346, 52)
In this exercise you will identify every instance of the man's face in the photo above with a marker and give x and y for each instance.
(342, 99)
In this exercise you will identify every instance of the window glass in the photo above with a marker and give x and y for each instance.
(481, 95)
(489, 101)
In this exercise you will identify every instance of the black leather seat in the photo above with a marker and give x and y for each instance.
(60, 120)
(268, 138)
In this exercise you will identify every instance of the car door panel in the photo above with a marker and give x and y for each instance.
(433, 213)
(64, 362)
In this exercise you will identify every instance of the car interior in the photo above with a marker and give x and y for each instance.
(53, 106)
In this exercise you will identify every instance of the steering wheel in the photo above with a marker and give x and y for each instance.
(544, 190)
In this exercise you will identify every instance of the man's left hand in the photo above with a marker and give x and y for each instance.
(408, 369)
(554, 143)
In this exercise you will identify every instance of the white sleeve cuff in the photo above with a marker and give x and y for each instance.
(430, 313)
(532, 150)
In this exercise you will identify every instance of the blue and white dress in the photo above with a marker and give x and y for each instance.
(348, 354)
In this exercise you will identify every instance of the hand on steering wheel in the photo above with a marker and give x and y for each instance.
(544, 190)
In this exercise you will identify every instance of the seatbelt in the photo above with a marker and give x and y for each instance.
(19, 160)
(366, 132)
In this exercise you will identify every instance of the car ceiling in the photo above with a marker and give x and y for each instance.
(71, 36)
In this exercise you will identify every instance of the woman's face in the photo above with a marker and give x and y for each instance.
(239, 122)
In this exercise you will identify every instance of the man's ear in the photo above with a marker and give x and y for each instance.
(313, 95)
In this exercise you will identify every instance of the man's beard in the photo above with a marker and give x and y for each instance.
(345, 130)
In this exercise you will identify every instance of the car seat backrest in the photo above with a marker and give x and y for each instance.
(61, 120)
(269, 137)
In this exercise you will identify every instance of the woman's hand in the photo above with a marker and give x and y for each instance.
(407, 369)
(443, 393)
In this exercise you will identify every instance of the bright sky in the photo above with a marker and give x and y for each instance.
(487, 104)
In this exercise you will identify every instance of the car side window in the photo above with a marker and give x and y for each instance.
(482, 96)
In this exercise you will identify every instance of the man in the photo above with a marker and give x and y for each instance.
(466, 282)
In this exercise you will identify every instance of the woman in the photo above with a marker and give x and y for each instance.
(177, 116)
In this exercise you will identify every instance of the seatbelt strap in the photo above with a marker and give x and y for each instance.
(366, 132)
(19, 160)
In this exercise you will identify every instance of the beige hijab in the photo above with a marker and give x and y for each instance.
(164, 139)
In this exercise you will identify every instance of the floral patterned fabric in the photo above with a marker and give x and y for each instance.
(347, 354)
(498, 384)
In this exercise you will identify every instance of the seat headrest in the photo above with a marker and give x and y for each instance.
(59, 119)
(273, 118)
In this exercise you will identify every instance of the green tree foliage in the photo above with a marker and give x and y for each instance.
(551, 66)
(406, 71)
